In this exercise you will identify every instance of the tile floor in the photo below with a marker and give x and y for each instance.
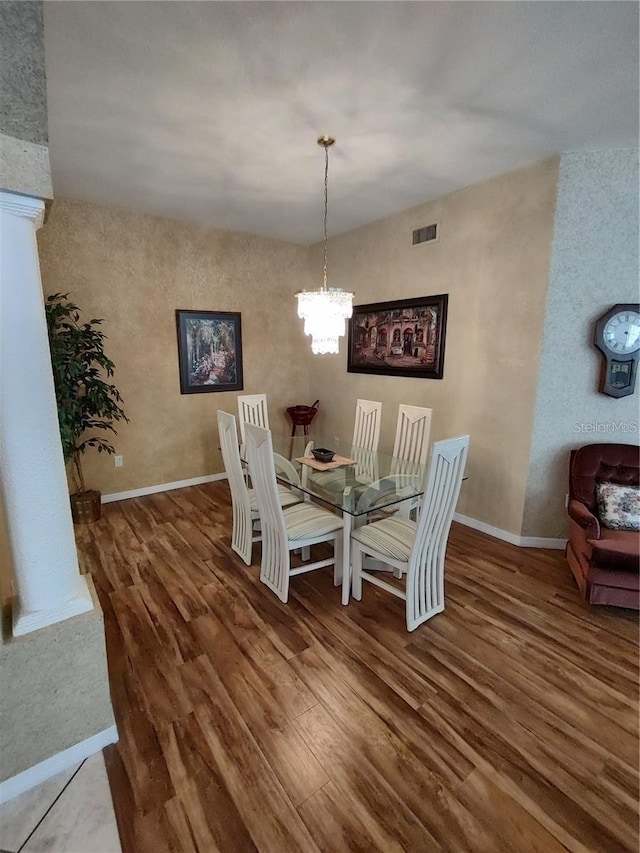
(70, 813)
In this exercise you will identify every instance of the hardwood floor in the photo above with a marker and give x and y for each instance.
(507, 723)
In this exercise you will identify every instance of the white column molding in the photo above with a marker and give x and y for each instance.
(32, 471)
(23, 205)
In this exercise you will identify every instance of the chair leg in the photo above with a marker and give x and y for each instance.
(356, 568)
(404, 510)
(337, 556)
(305, 553)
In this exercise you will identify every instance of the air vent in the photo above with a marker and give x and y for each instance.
(425, 234)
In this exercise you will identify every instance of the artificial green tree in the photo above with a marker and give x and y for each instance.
(86, 401)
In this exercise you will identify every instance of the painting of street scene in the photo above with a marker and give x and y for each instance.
(401, 338)
(210, 351)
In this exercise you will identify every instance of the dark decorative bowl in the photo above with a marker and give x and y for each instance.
(323, 455)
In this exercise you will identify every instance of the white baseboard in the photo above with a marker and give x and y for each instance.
(33, 776)
(542, 542)
(512, 538)
(162, 487)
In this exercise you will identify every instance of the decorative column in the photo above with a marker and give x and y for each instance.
(49, 585)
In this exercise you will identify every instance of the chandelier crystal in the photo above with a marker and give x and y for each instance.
(325, 311)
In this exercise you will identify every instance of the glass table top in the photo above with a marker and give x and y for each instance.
(366, 480)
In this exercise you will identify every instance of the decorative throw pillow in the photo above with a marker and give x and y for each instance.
(619, 506)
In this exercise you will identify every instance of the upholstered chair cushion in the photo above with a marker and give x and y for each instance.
(618, 506)
(617, 550)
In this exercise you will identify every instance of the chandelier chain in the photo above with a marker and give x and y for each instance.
(326, 205)
(325, 310)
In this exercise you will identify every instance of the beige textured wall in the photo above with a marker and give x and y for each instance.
(135, 271)
(492, 259)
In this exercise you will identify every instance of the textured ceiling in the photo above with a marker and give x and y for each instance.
(209, 111)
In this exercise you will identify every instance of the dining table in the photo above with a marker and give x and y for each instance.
(356, 483)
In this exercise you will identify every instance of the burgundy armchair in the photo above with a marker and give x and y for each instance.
(605, 563)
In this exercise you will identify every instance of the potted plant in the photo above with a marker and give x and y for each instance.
(86, 401)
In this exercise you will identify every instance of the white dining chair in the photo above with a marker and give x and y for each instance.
(252, 409)
(290, 528)
(366, 437)
(243, 501)
(410, 449)
(366, 427)
(413, 428)
(416, 550)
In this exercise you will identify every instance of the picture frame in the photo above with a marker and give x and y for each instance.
(405, 337)
(209, 351)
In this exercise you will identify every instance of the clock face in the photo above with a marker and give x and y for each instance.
(621, 334)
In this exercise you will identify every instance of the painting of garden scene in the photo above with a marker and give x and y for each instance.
(210, 351)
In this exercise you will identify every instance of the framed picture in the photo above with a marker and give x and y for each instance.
(209, 351)
(401, 338)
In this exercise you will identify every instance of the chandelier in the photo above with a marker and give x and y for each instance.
(325, 311)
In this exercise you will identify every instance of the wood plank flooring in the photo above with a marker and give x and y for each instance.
(507, 723)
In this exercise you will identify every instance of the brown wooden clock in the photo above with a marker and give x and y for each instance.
(617, 336)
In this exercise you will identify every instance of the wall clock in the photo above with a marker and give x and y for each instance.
(617, 336)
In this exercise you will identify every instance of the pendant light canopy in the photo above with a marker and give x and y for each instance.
(325, 311)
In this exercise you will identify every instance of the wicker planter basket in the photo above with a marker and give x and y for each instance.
(302, 416)
(86, 507)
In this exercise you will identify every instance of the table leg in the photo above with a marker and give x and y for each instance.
(346, 557)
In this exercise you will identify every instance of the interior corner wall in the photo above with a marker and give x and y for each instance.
(7, 590)
(594, 265)
(492, 258)
(134, 271)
